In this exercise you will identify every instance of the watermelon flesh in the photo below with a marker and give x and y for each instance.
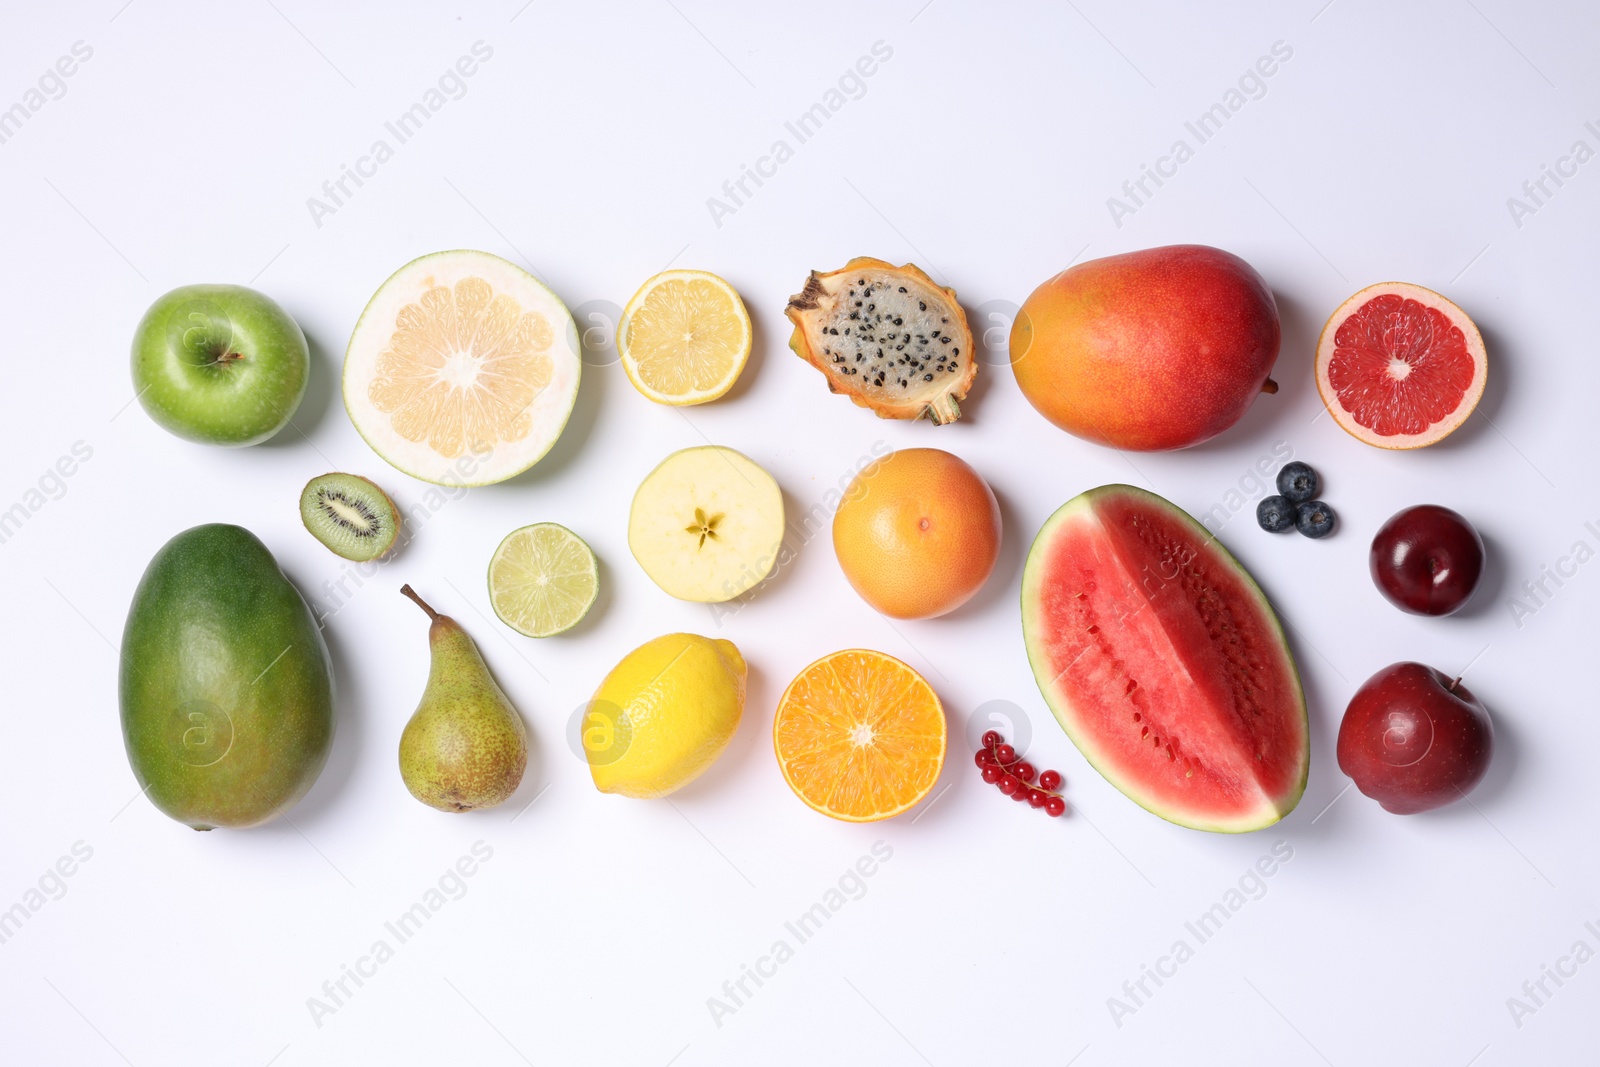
(1164, 662)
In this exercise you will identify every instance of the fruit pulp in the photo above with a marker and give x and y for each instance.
(859, 736)
(1400, 366)
(1164, 662)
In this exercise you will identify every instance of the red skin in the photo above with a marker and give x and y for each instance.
(1414, 740)
(1148, 351)
(1427, 560)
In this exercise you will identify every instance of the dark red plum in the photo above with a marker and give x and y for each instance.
(1427, 560)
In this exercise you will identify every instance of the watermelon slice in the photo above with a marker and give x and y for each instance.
(1163, 661)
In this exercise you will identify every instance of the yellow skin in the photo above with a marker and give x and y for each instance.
(664, 714)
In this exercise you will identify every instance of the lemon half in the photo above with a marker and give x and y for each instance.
(684, 338)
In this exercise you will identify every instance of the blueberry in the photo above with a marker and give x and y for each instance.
(1298, 482)
(1314, 518)
(1275, 514)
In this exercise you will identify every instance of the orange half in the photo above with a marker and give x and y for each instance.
(859, 735)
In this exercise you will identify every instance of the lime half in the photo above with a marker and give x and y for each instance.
(542, 580)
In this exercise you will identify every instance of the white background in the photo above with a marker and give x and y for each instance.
(985, 150)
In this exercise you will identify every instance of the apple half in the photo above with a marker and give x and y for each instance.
(706, 524)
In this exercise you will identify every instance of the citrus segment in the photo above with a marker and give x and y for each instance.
(684, 337)
(462, 369)
(1400, 366)
(542, 580)
(859, 736)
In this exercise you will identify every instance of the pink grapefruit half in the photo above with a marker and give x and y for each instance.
(1399, 366)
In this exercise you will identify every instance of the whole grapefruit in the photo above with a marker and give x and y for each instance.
(1148, 351)
(918, 533)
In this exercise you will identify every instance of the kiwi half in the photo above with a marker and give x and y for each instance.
(350, 515)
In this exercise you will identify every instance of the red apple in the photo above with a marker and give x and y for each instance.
(1414, 740)
(1150, 350)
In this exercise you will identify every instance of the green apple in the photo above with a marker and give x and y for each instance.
(219, 364)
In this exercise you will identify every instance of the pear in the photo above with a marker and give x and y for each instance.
(465, 746)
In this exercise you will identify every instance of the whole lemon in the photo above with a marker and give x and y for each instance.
(663, 715)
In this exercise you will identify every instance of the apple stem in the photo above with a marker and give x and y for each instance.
(1269, 386)
(423, 604)
(1452, 687)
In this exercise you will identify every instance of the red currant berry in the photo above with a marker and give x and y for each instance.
(1009, 784)
(993, 774)
(1050, 780)
(1022, 792)
(1037, 798)
(983, 757)
(1055, 807)
(1005, 754)
(1024, 771)
(991, 739)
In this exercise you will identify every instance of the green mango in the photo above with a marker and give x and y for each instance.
(225, 684)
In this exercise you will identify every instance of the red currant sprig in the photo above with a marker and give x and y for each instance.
(1002, 767)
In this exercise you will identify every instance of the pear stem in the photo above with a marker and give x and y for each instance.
(423, 604)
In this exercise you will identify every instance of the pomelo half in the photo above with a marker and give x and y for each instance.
(1400, 366)
(1163, 661)
(462, 370)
